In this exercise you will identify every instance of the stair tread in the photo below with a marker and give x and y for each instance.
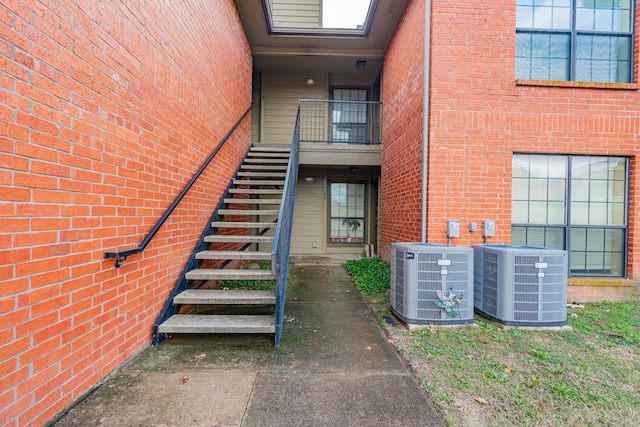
(253, 201)
(271, 149)
(258, 181)
(264, 167)
(234, 238)
(248, 212)
(229, 274)
(269, 154)
(266, 160)
(244, 255)
(263, 174)
(233, 224)
(255, 190)
(212, 324)
(235, 296)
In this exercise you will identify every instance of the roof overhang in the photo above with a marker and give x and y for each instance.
(325, 50)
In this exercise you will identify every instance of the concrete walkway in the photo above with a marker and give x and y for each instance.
(334, 367)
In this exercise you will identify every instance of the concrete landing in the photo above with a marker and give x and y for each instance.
(334, 367)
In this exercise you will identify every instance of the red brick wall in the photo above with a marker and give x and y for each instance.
(107, 109)
(402, 92)
(479, 116)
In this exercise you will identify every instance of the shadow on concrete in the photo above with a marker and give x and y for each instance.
(334, 367)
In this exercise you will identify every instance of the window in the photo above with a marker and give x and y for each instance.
(580, 40)
(349, 118)
(347, 216)
(575, 203)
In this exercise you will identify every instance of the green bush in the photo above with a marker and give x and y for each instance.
(371, 275)
(254, 285)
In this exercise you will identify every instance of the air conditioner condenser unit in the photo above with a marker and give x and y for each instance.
(521, 285)
(432, 284)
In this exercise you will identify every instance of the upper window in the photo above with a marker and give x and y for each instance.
(578, 40)
(577, 203)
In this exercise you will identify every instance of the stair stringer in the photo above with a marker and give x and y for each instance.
(182, 283)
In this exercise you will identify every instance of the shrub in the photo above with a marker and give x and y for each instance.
(371, 275)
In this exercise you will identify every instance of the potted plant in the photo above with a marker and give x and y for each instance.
(352, 226)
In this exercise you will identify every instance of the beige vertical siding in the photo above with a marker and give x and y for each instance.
(309, 218)
(256, 97)
(281, 92)
(296, 13)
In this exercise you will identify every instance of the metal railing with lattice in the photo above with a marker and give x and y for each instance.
(340, 122)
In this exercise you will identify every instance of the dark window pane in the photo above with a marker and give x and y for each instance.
(535, 236)
(597, 252)
(519, 235)
(555, 238)
(547, 237)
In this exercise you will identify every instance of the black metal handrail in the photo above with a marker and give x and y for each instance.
(282, 238)
(340, 122)
(121, 256)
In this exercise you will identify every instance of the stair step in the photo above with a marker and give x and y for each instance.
(263, 174)
(255, 190)
(253, 201)
(222, 238)
(248, 212)
(229, 274)
(218, 324)
(232, 224)
(242, 255)
(266, 161)
(271, 149)
(264, 167)
(268, 154)
(258, 182)
(236, 296)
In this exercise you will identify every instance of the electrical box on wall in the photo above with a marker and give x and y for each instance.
(488, 228)
(453, 228)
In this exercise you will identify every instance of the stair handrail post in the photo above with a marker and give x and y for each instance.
(121, 256)
(282, 238)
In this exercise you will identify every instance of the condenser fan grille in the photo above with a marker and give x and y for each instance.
(421, 273)
(399, 281)
(521, 285)
(490, 296)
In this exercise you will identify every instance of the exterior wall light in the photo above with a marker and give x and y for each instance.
(360, 64)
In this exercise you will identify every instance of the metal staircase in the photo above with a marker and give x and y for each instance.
(241, 231)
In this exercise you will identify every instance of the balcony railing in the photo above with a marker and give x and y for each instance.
(340, 122)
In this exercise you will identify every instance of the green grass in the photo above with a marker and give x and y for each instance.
(255, 285)
(589, 376)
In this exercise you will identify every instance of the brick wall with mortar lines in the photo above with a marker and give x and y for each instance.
(479, 117)
(107, 109)
(402, 88)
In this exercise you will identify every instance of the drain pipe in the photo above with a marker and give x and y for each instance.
(425, 118)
